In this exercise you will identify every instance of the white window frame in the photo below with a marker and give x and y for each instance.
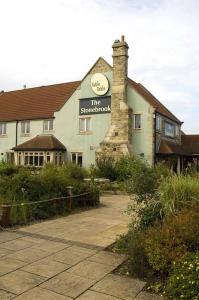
(177, 130)
(158, 123)
(77, 154)
(86, 126)
(35, 156)
(25, 127)
(49, 126)
(3, 128)
(134, 121)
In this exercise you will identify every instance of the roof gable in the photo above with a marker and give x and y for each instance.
(100, 66)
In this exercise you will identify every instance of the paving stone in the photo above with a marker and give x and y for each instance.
(19, 281)
(9, 264)
(90, 269)
(6, 236)
(119, 286)
(72, 255)
(91, 295)
(51, 246)
(32, 239)
(16, 245)
(5, 295)
(29, 255)
(46, 267)
(68, 284)
(108, 258)
(41, 294)
(4, 252)
(148, 296)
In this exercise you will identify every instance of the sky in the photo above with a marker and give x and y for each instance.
(53, 41)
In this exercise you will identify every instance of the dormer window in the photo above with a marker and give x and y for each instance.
(48, 125)
(169, 129)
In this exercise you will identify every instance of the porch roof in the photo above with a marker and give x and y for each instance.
(41, 143)
(168, 147)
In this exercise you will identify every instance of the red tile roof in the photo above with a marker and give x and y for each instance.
(35, 103)
(160, 108)
(41, 142)
(191, 142)
(42, 102)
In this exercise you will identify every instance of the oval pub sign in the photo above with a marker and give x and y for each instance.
(99, 84)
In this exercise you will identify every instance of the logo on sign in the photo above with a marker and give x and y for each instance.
(99, 84)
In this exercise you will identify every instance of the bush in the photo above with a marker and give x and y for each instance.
(133, 245)
(106, 167)
(143, 180)
(170, 241)
(177, 192)
(51, 182)
(150, 214)
(183, 282)
(8, 169)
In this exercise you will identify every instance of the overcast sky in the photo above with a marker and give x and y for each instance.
(52, 41)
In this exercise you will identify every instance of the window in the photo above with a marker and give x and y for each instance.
(158, 123)
(25, 127)
(85, 124)
(34, 159)
(48, 125)
(177, 130)
(137, 121)
(169, 129)
(58, 158)
(2, 128)
(77, 158)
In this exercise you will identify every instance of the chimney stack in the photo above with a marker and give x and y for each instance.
(117, 141)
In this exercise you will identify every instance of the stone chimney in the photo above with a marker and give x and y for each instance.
(117, 141)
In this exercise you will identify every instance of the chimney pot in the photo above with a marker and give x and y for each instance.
(122, 38)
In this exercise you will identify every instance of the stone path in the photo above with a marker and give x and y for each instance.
(65, 258)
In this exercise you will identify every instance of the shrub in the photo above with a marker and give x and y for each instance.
(8, 169)
(124, 167)
(150, 214)
(106, 167)
(177, 192)
(183, 282)
(175, 237)
(133, 245)
(51, 182)
(143, 179)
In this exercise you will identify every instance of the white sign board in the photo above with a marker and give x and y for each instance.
(99, 84)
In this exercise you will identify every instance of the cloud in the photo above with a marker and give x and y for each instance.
(49, 41)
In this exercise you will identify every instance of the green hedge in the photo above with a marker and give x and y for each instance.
(50, 182)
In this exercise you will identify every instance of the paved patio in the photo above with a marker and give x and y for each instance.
(65, 258)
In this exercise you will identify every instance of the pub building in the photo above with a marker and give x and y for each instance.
(104, 113)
